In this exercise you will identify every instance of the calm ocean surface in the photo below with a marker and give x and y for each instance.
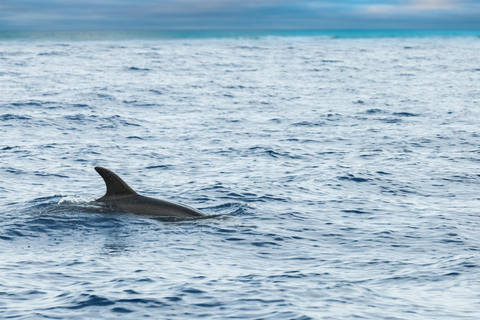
(346, 168)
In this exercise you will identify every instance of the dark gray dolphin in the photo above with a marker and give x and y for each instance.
(120, 195)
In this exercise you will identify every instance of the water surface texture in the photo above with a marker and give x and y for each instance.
(346, 172)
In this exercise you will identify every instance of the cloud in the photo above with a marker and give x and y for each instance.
(434, 4)
(422, 14)
(237, 14)
(414, 6)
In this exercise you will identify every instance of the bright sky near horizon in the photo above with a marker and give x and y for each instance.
(238, 14)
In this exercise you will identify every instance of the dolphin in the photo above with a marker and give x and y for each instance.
(119, 195)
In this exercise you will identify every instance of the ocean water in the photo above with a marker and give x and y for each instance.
(346, 171)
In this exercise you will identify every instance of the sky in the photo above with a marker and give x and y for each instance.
(239, 14)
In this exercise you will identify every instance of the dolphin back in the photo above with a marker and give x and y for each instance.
(142, 205)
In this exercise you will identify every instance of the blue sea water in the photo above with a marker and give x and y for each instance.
(115, 35)
(345, 169)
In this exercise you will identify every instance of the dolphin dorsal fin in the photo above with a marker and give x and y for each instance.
(115, 185)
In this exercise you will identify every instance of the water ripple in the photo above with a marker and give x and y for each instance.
(342, 174)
